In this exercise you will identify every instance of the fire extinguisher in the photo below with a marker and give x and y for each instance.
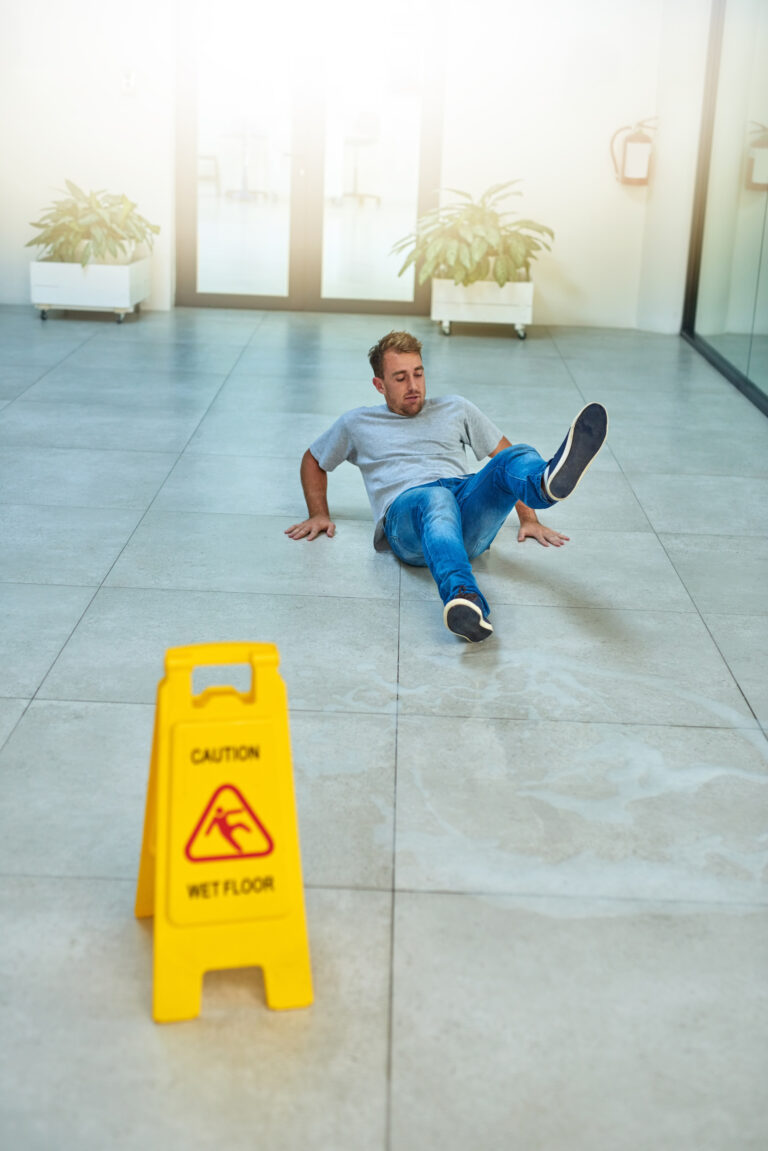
(636, 152)
(757, 159)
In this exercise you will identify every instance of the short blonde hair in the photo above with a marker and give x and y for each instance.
(400, 342)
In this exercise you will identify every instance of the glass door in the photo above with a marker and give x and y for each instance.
(302, 159)
(371, 182)
(243, 180)
(727, 307)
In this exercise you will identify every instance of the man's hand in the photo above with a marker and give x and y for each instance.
(534, 530)
(311, 528)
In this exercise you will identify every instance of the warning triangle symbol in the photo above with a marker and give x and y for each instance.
(228, 829)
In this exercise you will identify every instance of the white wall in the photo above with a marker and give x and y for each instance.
(64, 71)
(533, 91)
(537, 92)
(684, 37)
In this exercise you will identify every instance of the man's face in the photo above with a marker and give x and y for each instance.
(403, 385)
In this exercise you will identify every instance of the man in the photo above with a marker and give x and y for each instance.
(428, 510)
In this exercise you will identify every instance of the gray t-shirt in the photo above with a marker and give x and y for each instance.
(396, 452)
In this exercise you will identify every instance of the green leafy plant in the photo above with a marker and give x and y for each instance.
(470, 240)
(96, 227)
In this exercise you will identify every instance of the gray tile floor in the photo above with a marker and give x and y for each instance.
(535, 869)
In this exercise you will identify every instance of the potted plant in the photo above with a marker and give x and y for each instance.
(94, 254)
(478, 257)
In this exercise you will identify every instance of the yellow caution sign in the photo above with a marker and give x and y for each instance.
(220, 866)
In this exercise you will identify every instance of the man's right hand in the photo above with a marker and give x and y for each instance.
(311, 528)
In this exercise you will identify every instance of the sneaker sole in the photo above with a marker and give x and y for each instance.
(464, 619)
(585, 439)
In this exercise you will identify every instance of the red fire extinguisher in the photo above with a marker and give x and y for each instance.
(757, 159)
(636, 153)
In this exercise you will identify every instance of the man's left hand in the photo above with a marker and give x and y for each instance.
(546, 536)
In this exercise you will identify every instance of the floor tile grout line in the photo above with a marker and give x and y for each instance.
(565, 898)
(717, 647)
(563, 723)
(393, 899)
(71, 632)
(51, 367)
(208, 590)
(27, 705)
(161, 589)
(420, 716)
(346, 520)
(643, 901)
(141, 404)
(546, 896)
(103, 451)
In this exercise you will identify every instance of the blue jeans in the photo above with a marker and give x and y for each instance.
(445, 524)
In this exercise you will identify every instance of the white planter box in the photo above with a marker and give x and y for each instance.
(96, 287)
(483, 303)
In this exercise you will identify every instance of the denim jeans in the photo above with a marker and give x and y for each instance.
(445, 524)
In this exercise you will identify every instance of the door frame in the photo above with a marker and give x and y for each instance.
(698, 218)
(306, 210)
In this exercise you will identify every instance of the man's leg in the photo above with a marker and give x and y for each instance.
(446, 531)
(520, 473)
(486, 498)
(423, 526)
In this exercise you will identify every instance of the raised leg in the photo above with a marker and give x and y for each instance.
(585, 438)
(486, 498)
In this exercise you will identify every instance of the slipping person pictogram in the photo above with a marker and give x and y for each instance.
(220, 822)
(214, 834)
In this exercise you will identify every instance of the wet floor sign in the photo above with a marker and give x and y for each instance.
(220, 867)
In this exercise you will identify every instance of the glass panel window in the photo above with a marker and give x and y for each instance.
(372, 142)
(309, 130)
(243, 162)
(731, 312)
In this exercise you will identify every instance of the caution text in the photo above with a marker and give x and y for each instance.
(223, 754)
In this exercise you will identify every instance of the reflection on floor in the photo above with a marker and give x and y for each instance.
(535, 868)
(746, 351)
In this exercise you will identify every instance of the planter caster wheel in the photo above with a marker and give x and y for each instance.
(521, 332)
(43, 313)
(445, 327)
(120, 317)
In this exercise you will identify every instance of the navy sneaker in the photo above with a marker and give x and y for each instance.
(577, 451)
(464, 616)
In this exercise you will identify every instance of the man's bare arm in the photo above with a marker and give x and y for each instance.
(314, 481)
(531, 526)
